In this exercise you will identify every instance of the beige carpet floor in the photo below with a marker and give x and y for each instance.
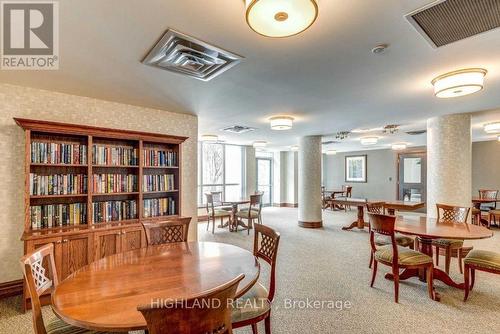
(331, 265)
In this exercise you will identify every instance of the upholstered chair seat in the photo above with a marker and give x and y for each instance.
(251, 305)
(57, 326)
(220, 213)
(406, 256)
(244, 214)
(453, 243)
(483, 259)
(401, 240)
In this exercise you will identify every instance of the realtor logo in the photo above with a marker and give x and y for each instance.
(30, 35)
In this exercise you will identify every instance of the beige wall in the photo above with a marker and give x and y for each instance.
(485, 165)
(26, 102)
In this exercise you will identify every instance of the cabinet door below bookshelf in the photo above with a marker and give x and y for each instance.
(76, 253)
(106, 243)
(133, 238)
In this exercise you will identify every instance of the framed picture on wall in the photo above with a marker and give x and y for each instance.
(355, 168)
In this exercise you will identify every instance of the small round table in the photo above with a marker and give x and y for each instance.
(427, 229)
(104, 295)
(234, 221)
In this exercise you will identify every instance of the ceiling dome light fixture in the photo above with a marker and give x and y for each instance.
(209, 138)
(459, 83)
(399, 146)
(369, 140)
(331, 152)
(282, 18)
(281, 123)
(492, 127)
(259, 143)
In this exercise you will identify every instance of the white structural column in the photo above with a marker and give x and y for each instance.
(310, 213)
(449, 162)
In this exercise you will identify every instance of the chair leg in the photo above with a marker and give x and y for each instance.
(267, 324)
(371, 260)
(460, 260)
(466, 282)
(430, 283)
(208, 222)
(254, 329)
(213, 225)
(473, 277)
(374, 273)
(447, 260)
(437, 256)
(395, 273)
(250, 222)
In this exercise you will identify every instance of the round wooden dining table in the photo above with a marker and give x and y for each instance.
(427, 229)
(105, 294)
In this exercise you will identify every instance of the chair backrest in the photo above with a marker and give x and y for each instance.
(450, 213)
(488, 194)
(383, 224)
(376, 207)
(265, 246)
(255, 201)
(347, 190)
(217, 197)
(210, 203)
(38, 280)
(164, 232)
(207, 313)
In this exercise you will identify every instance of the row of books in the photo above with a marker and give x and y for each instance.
(53, 215)
(159, 158)
(114, 183)
(113, 211)
(58, 153)
(159, 182)
(114, 156)
(159, 207)
(58, 184)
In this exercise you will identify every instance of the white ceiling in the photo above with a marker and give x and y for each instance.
(326, 77)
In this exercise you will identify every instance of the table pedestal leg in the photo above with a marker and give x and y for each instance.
(360, 222)
(391, 211)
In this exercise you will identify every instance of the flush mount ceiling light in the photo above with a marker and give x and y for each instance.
(281, 123)
(294, 147)
(209, 138)
(259, 143)
(365, 130)
(369, 140)
(282, 18)
(399, 146)
(331, 152)
(492, 127)
(459, 83)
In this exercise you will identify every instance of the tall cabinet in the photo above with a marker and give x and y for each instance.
(88, 189)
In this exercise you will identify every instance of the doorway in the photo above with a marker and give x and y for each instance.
(412, 176)
(265, 179)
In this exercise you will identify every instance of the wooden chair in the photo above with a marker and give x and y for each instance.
(451, 247)
(479, 260)
(164, 232)
(255, 305)
(401, 240)
(476, 216)
(250, 213)
(259, 207)
(40, 275)
(488, 194)
(213, 212)
(207, 313)
(395, 256)
(218, 203)
(494, 217)
(348, 193)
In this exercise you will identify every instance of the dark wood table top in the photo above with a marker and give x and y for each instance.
(485, 200)
(349, 201)
(432, 229)
(237, 202)
(404, 205)
(105, 294)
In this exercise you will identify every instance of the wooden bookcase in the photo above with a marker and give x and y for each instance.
(79, 244)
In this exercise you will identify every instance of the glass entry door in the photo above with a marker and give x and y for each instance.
(264, 179)
(412, 177)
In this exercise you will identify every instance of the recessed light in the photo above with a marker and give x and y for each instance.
(369, 140)
(492, 127)
(381, 48)
(209, 138)
(281, 123)
(283, 18)
(331, 152)
(399, 146)
(459, 83)
(259, 143)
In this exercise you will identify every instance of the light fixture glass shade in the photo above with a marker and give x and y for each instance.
(459, 83)
(294, 147)
(399, 146)
(280, 18)
(492, 127)
(209, 138)
(259, 143)
(331, 152)
(281, 123)
(369, 140)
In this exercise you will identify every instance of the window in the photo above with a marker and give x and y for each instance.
(221, 169)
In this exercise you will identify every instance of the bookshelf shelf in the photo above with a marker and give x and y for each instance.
(115, 166)
(115, 194)
(161, 191)
(57, 165)
(57, 196)
(160, 167)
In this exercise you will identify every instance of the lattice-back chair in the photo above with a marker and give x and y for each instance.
(395, 256)
(40, 275)
(251, 213)
(488, 194)
(451, 247)
(376, 207)
(164, 232)
(207, 313)
(255, 305)
(213, 212)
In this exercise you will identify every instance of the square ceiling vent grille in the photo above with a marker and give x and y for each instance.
(446, 21)
(187, 55)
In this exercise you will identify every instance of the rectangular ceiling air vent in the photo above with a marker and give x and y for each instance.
(444, 22)
(187, 55)
(238, 129)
